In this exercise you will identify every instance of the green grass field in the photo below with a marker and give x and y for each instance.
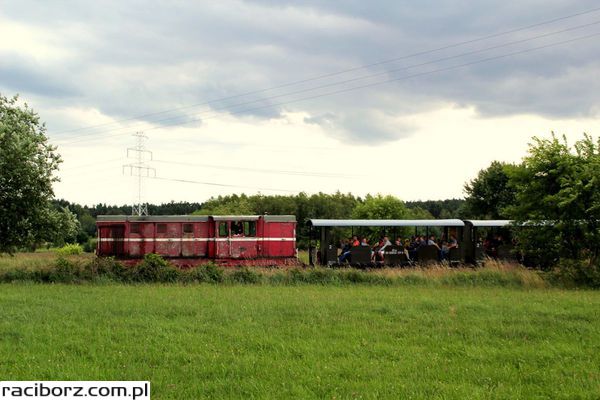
(262, 341)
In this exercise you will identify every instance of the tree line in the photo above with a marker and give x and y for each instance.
(303, 206)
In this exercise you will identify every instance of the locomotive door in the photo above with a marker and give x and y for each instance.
(222, 239)
(112, 240)
(243, 242)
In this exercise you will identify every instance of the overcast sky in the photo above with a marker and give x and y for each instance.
(403, 98)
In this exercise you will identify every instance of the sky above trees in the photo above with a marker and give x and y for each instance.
(422, 127)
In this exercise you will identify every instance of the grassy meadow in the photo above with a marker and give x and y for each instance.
(306, 341)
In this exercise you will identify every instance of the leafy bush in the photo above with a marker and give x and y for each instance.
(574, 273)
(245, 275)
(209, 273)
(64, 271)
(70, 250)
(107, 268)
(153, 268)
(313, 275)
(90, 245)
(322, 275)
(15, 275)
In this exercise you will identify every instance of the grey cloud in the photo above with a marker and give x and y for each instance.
(134, 59)
(362, 126)
(327, 119)
(20, 75)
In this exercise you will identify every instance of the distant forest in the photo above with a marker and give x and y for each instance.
(303, 206)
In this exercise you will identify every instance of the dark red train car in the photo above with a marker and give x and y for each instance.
(191, 240)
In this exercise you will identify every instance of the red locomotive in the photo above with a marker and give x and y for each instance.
(191, 240)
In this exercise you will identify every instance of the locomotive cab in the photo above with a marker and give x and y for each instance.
(235, 236)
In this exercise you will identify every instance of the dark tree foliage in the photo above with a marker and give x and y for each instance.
(439, 209)
(172, 208)
(489, 195)
(558, 191)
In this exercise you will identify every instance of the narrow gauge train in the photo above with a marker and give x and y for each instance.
(263, 240)
(191, 240)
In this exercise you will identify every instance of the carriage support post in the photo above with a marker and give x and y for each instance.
(311, 262)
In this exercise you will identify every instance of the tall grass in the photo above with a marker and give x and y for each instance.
(83, 268)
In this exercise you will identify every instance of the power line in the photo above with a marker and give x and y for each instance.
(293, 83)
(223, 167)
(84, 174)
(112, 179)
(364, 86)
(369, 76)
(90, 164)
(391, 71)
(260, 170)
(224, 185)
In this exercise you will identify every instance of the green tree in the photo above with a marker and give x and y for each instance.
(558, 187)
(88, 224)
(27, 164)
(489, 195)
(439, 209)
(227, 205)
(380, 207)
(64, 227)
(419, 213)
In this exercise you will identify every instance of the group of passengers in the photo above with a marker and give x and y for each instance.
(491, 244)
(409, 246)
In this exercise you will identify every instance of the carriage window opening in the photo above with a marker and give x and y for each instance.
(223, 231)
(237, 228)
(135, 228)
(161, 228)
(249, 228)
(188, 228)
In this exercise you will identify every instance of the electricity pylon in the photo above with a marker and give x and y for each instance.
(140, 170)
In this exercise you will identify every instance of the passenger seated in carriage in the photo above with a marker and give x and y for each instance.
(491, 245)
(345, 254)
(345, 246)
(432, 242)
(414, 246)
(447, 246)
(379, 249)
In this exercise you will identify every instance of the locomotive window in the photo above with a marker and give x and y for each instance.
(223, 231)
(161, 228)
(237, 228)
(188, 228)
(134, 228)
(249, 228)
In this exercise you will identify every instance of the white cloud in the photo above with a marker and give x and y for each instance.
(448, 147)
